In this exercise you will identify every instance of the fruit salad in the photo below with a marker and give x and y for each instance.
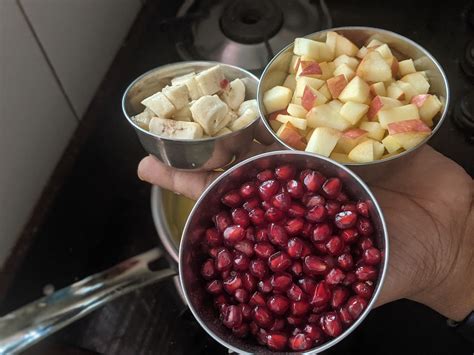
(354, 105)
(291, 259)
(198, 105)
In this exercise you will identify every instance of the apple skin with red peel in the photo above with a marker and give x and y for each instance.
(408, 126)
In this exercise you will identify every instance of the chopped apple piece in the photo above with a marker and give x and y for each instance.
(393, 64)
(290, 82)
(357, 90)
(331, 40)
(374, 130)
(313, 49)
(274, 115)
(350, 139)
(408, 126)
(323, 140)
(374, 43)
(275, 125)
(428, 106)
(378, 89)
(336, 105)
(418, 81)
(363, 152)
(277, 98)
(410, 140)
(308, 135)
(345, 46)
(374, 68)
(379, 149)
(389, 155)
(384, 51)
(325, 91)
(391, 144)
(419, 100)
(352, 62)
(381, 103)
(395, 114)
(325, 116)
(296, 111)
(353, 111)
(345, 70)
(340, 158)
(406, 67)
(309, 68)
(299, 123)
(394, 91)
(302, 82)
(362, 52)
(290, 135)
(294, 64)
(312, 97)
(407, 89)
(336, 85)
(327, 69)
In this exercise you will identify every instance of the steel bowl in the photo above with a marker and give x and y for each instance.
(189, 154)
(402, 47)
(209, 203)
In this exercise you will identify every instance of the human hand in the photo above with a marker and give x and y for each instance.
(428, 206)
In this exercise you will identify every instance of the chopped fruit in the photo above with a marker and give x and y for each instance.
(379, 149)
(340, 157)
(275, 125)
(374, 129)
(419, 100)
(309, 68)
(378, 89)
(328, 70)
(323, 140)
(336, 85)
(363, 152)
(345, 70)
(290, 82)
(336, 105)
(401, 113)
(374, 43)
(393, 63)
(345, 46)
(391, 144)
(353, 111)
(277, 98)
(357, 90)
(362, 52)
(331, 40)
(384, 51)
(408, 126)
(381, 103)
(350, 139)
(294, 64)
(325, 91)
(296, 110)
(290, 135)
(430, 106)
(410, 140)
(325, 116)
(408, 90)
(313, 49)
(418, 81)
(394, 91)
(299, 123)
(345, 59)
(312, 97)
(406, 67)
(374, 68)
(274, 115)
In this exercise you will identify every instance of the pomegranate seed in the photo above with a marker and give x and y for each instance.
(225, 274)
(295, 293)
(232, 283)
(213, 237)
(314, 318)
(365, 243)
(296, 210)
(296, 268)
(254, 328)
(265, 286)
(349, 207)
(222, 220)
(314, 265)
(363, 289)
(342, 197)
(266, 205)
(214, 251)
(321, 295)
(310, 200)
(241, 295)
(363, 208)
(241, 262)
(335, 245)
(257, 216)
(299, 308)
(278, 304)
(240, 217)
(214, 287)
(364, 226)
(349, 235)
(241, 331)
(295, 248)
(294, 226)
(295, 321)
(346, 219)
(349, 279)
(233, 234)
(371, 256)
(285, 172)
(366, 273)
(356, 306)
(278, 324)
(308, 285)
(258, 268)
(265, 175)
(262, 316)
(332, 208)
(300, 342)
(249, 282)
(248, 190)
(339, 296)
(257, 299)
(335, 276)
(277, 235)
(295, 188)
(318, 310)
(316, 214)
(232, 317)
(320, 248)
(281, 282)
(345, 261)
(261, 235)
(277, 341)
(268, 189)
(232, 199)
(332, 187)
(246, 311)
(282, 201)
(307, 231)
(208, 271)
(273, 214)
(261, 336)
(314, 333)
(313, 181)
(321, 232)
(345, 316)
(263, 250)
(331, 324)
(251, 204)
(245, 247)
(330, 261)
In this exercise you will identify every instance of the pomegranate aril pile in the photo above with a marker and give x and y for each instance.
(291, 261)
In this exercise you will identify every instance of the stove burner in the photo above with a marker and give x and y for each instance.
(464, 115)
(250, 21)
(467, 62)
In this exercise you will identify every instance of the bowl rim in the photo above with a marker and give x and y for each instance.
(353, 176)
(361, 28)
(179, 64)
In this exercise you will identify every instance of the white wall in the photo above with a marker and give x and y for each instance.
(80, 38)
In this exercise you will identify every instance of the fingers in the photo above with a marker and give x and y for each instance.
(189, 184)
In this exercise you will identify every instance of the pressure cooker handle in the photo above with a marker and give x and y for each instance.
(39, 319)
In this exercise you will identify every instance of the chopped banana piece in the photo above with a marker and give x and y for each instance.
(175, 129)
(210, 80)
(235, 94)
(232, 115)
(182, 79)
(177, 94)
(252, 104)
(160, 105)
(211, 113)
(244, 120)
(223, 131)
(183, 114)
(143, 119)
(190, 81)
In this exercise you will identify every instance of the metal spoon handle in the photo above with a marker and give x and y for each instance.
(39, 319)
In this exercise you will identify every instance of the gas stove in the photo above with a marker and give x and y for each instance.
(108, 207)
